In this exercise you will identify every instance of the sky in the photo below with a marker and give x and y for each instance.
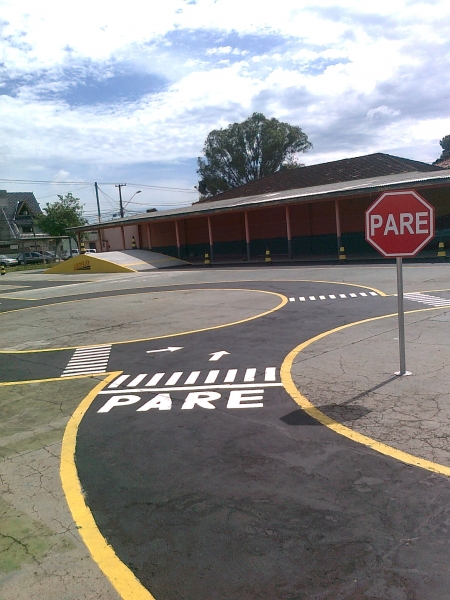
(115, 92)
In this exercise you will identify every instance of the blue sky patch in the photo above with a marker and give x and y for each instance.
(77, 87)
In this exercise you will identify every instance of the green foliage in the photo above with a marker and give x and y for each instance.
(445, 145)
(56, 217)
(247, 151)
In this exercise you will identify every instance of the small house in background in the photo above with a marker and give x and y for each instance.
(18, 212)
(18, 230)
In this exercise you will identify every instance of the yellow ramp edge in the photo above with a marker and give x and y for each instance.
(88, 263)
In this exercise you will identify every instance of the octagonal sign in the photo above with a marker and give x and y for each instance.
(400, 224)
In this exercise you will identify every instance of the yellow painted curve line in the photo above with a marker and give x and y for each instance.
(70, 378)
(282, 303)
(367, 287)
(120, 576)
(324, 419)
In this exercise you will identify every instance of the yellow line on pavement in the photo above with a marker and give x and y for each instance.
(318, 415)
(282, 303)
(87, 375)
(121, 577)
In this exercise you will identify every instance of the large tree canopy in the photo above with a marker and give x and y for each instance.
(445, 145)
(65, 212)
(247, 151)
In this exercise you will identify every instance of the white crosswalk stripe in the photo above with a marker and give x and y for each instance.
(88, 360)
(427, 299)
(333, 296)
(215, 378)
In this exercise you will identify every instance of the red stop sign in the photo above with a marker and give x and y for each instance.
(400, 223)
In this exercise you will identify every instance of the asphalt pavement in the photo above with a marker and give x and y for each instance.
(253, 442)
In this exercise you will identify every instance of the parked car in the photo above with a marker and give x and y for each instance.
(8, 261)
(49, 256)
(29, 258)
(66, 254)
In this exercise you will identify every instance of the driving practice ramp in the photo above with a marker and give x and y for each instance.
(124, 261)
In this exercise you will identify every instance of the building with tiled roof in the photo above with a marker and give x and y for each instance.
(18, 211)
(307, 213)
(347, 169)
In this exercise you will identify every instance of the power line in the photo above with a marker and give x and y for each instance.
(89, 183)
(75, 190)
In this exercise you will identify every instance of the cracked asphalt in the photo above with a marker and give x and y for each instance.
(216, 504)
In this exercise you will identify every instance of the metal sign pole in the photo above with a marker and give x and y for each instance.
(401, 319)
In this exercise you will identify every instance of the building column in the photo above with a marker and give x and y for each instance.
(211, 242)
(288, 231)
(177, 233)
(122, 230)
(99, 233)
(247, 234)
(79, 242)
(149, 236)
(338, 225)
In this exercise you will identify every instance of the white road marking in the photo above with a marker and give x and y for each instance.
(173, 380)
(332, 296)
(155, 379)
(230, 376)
(168, 349)
(192, 378)
(250, 375)
(88, 360)
(117, 382)
(212, 376)
(427, 299)
(270, 374)
(217, 355)
(221, 386)
(137, 380)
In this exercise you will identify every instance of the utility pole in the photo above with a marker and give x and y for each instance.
(120, 186)
(99, 232)
(98, 202)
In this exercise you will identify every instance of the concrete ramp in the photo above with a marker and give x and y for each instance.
(120, 261)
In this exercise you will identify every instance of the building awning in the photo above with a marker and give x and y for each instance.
(416, 179)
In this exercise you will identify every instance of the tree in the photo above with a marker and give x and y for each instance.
(247, 151)
(445, 145)
(56, 217)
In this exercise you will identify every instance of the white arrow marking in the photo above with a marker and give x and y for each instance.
(169, 349)
(217, 355)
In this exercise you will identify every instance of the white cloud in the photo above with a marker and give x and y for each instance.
(382, 110)
(354, 79)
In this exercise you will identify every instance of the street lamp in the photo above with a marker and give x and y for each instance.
(138, 192)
